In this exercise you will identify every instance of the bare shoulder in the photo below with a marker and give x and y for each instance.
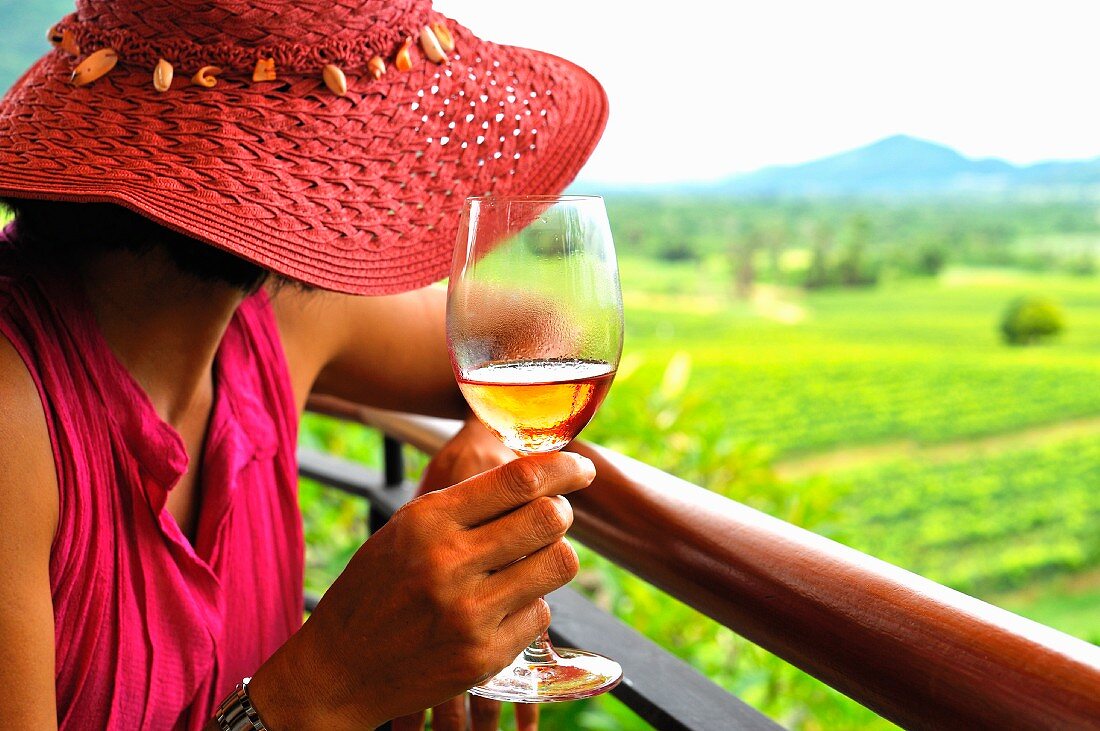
(311, 327)
(28, 521)
(387, 351)
(28, 481)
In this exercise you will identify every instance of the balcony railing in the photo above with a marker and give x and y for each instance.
(916, 652)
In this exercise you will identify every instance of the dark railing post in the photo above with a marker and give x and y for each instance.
(393, 461)
(393, 467)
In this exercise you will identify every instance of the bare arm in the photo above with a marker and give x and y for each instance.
(28, 520)
(388, 352)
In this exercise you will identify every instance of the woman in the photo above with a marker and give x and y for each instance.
(171, 166)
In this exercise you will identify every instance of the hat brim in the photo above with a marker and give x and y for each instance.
(358, 194)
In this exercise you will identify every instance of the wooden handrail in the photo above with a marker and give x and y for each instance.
(916, 652)
(659, 687)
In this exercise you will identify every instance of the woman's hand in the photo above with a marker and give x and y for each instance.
(473, 450)
(442, 597)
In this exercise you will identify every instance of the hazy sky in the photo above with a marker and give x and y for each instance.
(700, 89)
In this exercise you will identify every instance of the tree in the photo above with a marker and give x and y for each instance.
(853, 269)
(742, 254)
(678, 237)
(931, 258)
(776, 236)
(818, 275)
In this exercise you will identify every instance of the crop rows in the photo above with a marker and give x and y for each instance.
(800, 406)
(983, 524)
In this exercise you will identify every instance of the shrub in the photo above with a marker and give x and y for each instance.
(1083, 265)
(1029, 319)
(543, 242)
(678, 249)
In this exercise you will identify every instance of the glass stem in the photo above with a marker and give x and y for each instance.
(540, 651)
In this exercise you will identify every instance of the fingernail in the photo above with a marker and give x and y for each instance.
(583, 463)
(564, 506)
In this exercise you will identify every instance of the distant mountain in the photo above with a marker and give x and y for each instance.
(903, 165)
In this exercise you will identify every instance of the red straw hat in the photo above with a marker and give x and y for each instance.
(332, 141)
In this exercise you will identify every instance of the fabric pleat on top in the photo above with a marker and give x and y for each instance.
(152, 631)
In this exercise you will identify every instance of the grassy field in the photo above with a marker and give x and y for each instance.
(917, 436)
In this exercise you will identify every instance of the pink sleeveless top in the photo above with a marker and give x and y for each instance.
(152, 631)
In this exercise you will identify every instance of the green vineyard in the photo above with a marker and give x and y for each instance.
(1023, 516)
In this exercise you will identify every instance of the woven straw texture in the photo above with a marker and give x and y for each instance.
(359, 194)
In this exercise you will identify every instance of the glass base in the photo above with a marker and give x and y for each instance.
(573, 675)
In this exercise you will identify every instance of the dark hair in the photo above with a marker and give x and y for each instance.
(60, 234)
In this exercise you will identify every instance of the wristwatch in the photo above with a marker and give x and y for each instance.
(236, 712)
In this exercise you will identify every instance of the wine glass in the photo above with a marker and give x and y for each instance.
(535, 331)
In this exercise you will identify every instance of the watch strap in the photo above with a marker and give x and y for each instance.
(236, 713)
